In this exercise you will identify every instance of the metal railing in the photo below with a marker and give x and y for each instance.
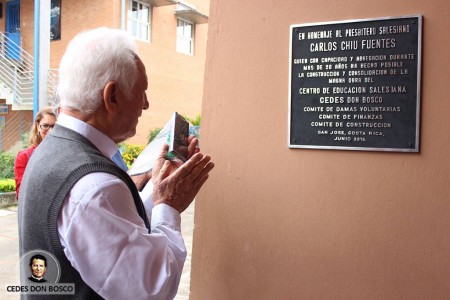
(17, 74)
(17, 87)
(53, 79)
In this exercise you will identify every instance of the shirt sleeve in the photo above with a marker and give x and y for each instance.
(106, 240)
(147, 198)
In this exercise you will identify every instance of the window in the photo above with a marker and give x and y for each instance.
(139, 20)
(185, 37)
(55, 20)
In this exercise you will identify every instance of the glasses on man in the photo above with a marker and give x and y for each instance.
(46, 127)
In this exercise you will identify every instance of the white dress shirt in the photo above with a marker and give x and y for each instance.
(106, 240)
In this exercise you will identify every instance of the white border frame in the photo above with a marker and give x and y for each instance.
(419, 73)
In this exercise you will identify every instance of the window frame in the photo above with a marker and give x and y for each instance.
(138, 22)
(184, 39)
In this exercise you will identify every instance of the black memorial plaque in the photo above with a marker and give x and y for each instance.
(355, 85)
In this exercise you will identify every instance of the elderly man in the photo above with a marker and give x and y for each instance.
(80, 206)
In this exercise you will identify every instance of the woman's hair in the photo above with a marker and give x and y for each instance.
(35, 137)
(92, 59)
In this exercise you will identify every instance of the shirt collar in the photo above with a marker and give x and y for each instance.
(95, 136)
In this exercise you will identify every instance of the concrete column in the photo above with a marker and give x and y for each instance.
(44, 52)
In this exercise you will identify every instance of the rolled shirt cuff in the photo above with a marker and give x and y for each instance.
(163, 214)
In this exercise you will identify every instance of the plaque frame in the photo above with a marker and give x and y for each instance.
(416, 146)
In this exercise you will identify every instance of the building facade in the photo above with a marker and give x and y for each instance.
(274, 222)
(171, 37)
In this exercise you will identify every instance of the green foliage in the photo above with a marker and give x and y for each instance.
(6, 165)
(153, 134)
(194, 122)
(7, 185)
(25, 139)
(130, 152)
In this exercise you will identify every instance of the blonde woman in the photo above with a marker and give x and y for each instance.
(45, 120)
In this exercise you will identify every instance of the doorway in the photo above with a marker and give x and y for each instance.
(12, 29)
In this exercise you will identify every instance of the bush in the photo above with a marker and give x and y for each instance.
(7, 185)
(130, 152)
(194, 122)
(6, 165)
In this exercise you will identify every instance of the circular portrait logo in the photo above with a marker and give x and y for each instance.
(39, 266)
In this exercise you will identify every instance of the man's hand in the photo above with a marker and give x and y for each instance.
(178, 187)
(142, 179)
(192, 145)
(192, 148)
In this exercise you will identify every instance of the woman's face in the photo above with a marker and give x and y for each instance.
(46, 124)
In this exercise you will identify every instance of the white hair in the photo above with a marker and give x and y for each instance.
(92, 59)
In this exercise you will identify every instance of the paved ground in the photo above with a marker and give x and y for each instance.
(187, 228)
(9, 252)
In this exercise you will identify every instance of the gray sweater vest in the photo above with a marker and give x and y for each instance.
(57, 164)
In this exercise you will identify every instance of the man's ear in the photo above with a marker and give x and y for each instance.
(110, 94)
